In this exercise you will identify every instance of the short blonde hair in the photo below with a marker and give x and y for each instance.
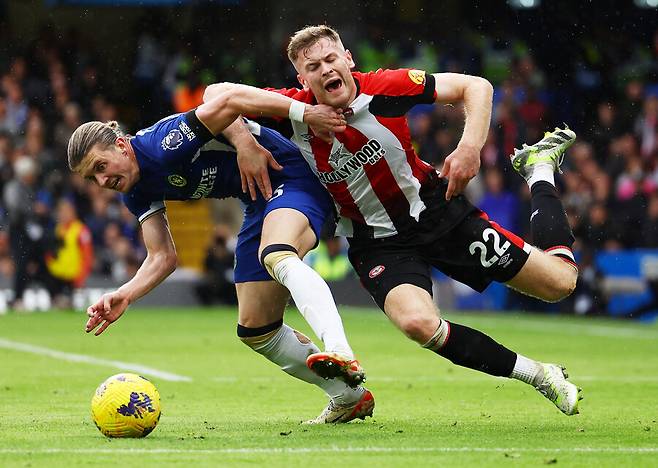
(89, 134)
(309, 35)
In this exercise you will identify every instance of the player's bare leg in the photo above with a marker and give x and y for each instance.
(545, 277)
(550, 272)
(413, 311)
(261, 327)
(285, 239)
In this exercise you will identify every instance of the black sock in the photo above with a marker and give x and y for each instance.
(548, 221)
(473, 349)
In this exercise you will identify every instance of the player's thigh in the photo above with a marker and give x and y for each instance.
(413, 311)
(296, 213)
(545, 276)
(260, 303)
(478, 251)
(288, 226)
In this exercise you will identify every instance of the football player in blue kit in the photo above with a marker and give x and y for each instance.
(192, 155)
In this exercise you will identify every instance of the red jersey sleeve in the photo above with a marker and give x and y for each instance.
(396, 91)
(400, 82)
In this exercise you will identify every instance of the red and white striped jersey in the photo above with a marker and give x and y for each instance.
(371, 169)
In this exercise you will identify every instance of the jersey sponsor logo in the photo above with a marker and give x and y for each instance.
(206, 184)
(187, 131)
(177, 180)
(378, 270)
(173, 140)
(417, 76)
(369, 153)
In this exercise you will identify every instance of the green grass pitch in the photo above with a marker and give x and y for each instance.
(239, 409)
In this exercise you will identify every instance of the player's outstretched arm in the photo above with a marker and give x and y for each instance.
(476, 93)
(160, 262)
(224, 102)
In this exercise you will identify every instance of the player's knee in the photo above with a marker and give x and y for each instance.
(418, 327)
(273, 254)
(257, 338)
(561, 285)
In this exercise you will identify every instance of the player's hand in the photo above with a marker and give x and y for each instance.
(460, 167)
(106, 311)
(253, 162)
(325, 118)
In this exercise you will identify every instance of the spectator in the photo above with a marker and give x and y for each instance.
(71, 261)
(217, 283)
(24, 231)
(598, 232)
(501, 205)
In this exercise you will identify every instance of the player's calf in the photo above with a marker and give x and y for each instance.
(311, 294)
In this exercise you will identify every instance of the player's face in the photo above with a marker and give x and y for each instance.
(114, 168)
(324, 68)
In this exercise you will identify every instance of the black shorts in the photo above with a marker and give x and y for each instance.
(475, 251)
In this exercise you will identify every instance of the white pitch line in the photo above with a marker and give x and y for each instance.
(333, 449)
(438, 378)
(71, 357)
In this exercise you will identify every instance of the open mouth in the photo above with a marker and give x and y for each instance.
(333, 85)
(115, 183)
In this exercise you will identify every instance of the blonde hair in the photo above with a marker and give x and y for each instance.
(309, 35)
(89, 134)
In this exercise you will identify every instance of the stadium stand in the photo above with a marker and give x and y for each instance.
(57, 78)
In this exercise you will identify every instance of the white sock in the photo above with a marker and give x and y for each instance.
(289, 350)
(527, 370)
(315, 302)
(542, 171)
(439, 338)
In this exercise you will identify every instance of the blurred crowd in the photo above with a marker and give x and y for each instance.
(57, 230)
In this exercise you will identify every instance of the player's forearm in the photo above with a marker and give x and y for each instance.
(243, 99)
(153, 271)
(259, 103)
(238, 134)
(225, 102)
(477, 107)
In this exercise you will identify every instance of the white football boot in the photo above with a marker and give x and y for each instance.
(337, 414)
(549, 150)
(555, 386)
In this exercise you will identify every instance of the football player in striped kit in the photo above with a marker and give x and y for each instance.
(401, 217)
(183, 157)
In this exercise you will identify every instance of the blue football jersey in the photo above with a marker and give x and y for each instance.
(179, 159)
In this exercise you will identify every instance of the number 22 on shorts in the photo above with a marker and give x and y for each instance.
(499, 249)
